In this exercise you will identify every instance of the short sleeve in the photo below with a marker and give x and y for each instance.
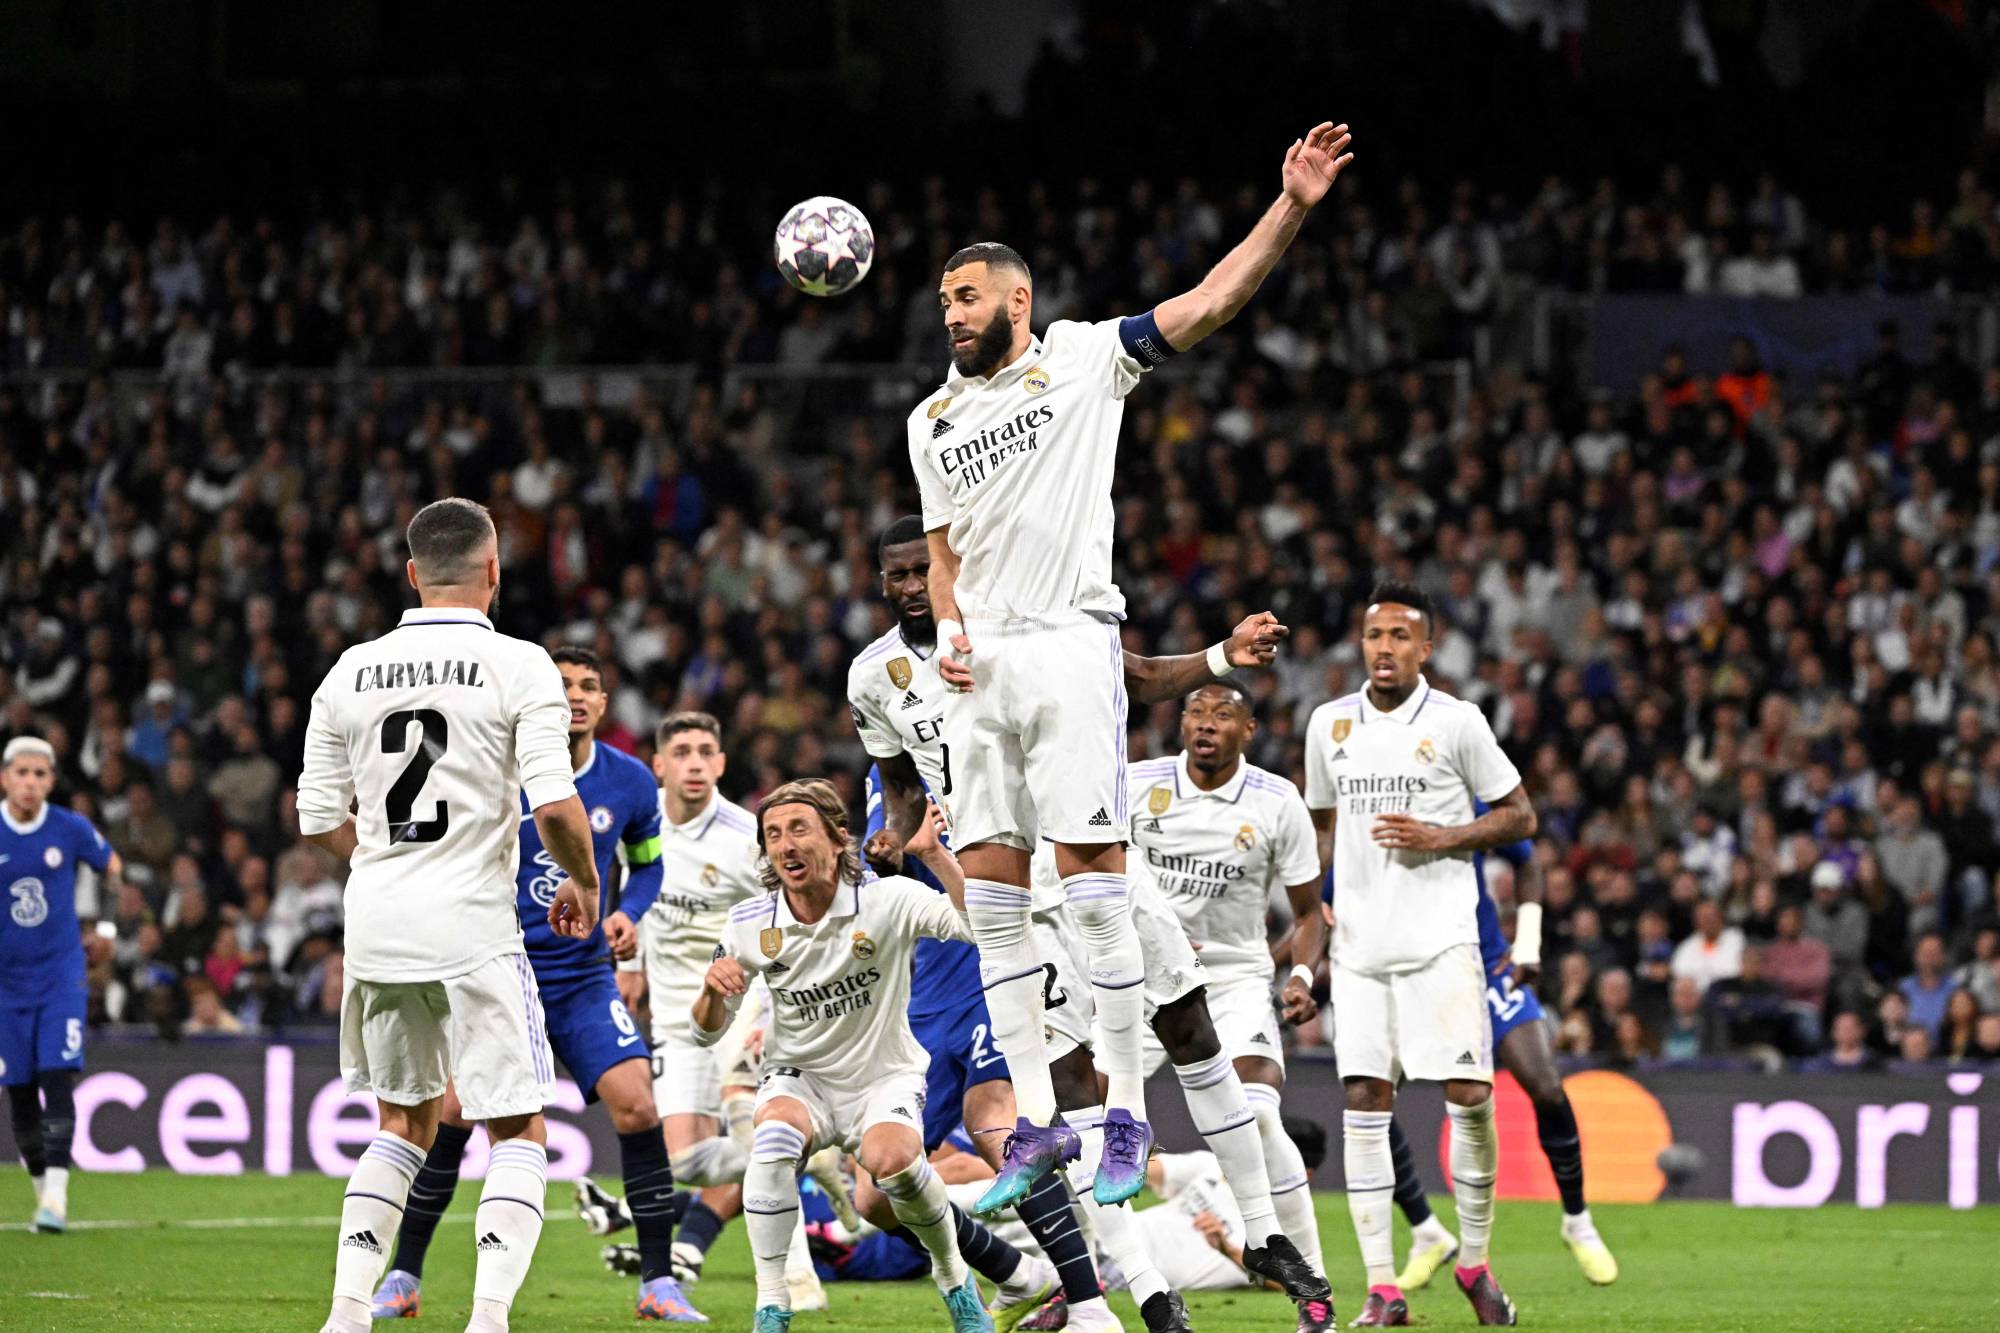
(1296, 847)
(878, 735)
(541, 732)
(640, 839)
(923, 912)
(1320, 793)
(326, 781)
(1487, 770)
(938, 509)
(1102, 352)
(89, 846)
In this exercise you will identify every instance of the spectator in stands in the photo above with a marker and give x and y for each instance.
(1713, 952)
(1835, 919)
(1958, 1035)
(1930, 987)
(1915, 863)
(1802, 968)
(206, 1014)
(1688, 1034)
(1752, 1012)
(1986, 1045)
(1849, 1051)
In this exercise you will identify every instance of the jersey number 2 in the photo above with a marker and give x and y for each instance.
(403, 793)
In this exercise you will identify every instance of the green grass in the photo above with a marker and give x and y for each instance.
(1686, 1265)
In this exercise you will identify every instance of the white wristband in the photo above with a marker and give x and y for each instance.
(1302, 974)
(1528, 934)
(947, 630)
(1219, 664)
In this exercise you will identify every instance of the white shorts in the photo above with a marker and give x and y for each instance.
(483, 1030)
(1037, 749)
(1067, 1007)
(1245, 1022)
(1429, 1024)
(687, 1077)
(841, 1113)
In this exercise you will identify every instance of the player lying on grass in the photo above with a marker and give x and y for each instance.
(1014, 457)
(840, 1063)
(587, 1023)
(42, 993)
(1521, 1037)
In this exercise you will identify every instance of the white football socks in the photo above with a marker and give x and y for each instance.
(771, 1206)
(508, 1224)
(1010, 968)
(1475, 1160)
(53, 1190)
(1102, 909)
(1291, 1190)
(370, 1214)
(922, 1206)
(1371, 1190)
(1222, 1116)
(719, 1160)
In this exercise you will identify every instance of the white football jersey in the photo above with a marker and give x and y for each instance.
(1396, 910)
(1019, 464)
(709, 865)
(840, 987)
(1218, 856)
(1195, 1185)
(428, 733)
(897, 699)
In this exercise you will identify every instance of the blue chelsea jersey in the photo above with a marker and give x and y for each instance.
(944, 974)
(41, 940)
(623, 804)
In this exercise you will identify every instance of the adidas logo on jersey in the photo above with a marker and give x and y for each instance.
(1259, 1039)
(776, 970)
(1465, 1058)
(1099, 820)
(1338, 755)
(364, 1240)
(939, 431)
(491, 1241)
(1152, 826)
(910, 700)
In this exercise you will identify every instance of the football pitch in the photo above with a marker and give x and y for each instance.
(158, 1251)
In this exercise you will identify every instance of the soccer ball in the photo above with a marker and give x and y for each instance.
(824, 246)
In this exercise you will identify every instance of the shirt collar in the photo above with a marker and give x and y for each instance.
(1404, 712)
(1230, 791)
(1013, 370)
(32, 826)
(698, 826)
(589, 763)
(443, 615)
(922, 656)
(846, 903)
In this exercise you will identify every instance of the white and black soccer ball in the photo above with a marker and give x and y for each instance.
(824, 246)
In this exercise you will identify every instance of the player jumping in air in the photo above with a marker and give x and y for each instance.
(1014, 458)
(1214, 836)
(421, 746)
(1522, 1039)
(840, 1063)
(588, 1025)
(897, 698)
(42, 992)
(1391, 776)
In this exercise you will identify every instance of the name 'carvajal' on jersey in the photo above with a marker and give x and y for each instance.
(417, 675)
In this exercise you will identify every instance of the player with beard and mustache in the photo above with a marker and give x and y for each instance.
(1014, 457)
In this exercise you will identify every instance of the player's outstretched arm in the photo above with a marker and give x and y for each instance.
(902, 813)
(1253, 643)
(1311, 164)
(565, 830)
(1308, 938)
(1511, 819)
(927, 845)
(1527, 950)
(722, 991)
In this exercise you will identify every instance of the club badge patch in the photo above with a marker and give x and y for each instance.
(1427, 752)
(710, 876)
(1036, 381)
(771, 940)
(899, 673)
(1157, 801)
(1341, 726)
(864, 948)
(937, 409)
(1246, 838)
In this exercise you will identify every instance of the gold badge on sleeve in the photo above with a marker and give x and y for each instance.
(937, 409)
(899, 673)
(1157, 801)
(1341, 726)
(771, 940)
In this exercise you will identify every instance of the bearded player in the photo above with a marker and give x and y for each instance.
(1014, 458)
(1391, 776)
(897, 698)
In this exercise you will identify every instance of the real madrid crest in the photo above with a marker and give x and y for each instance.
(1036, 381)
(771, 940)
(1341, 726)
(710, 876)
(864, 948)
(1246, 838)
(1157, 801)
(1427, 752)
(899, 672)
(937, 409)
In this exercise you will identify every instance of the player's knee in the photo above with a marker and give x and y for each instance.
(530, 1128)
(1465, 1092)
(1185, 1029)
(1103, 914)
(777, 1140)
(887, 1157)
(1370, 1094)
(632, 1115)
(1543, 1086)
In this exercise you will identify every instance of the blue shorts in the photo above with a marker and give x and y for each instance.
(47, 1036)
(1509, 1004)
(960, 1042)
(589, 1027)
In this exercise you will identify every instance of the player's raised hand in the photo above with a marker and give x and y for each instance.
(1254, 642)
(930, 835)
(1407, 833)
(1312, 163)
(955, 664)
(884, 856)
(573, 912)
(725, 978)
(621, 935)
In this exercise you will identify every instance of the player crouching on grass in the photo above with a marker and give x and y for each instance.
(840, 1063)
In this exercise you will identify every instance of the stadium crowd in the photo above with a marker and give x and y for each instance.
(1741, 634)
